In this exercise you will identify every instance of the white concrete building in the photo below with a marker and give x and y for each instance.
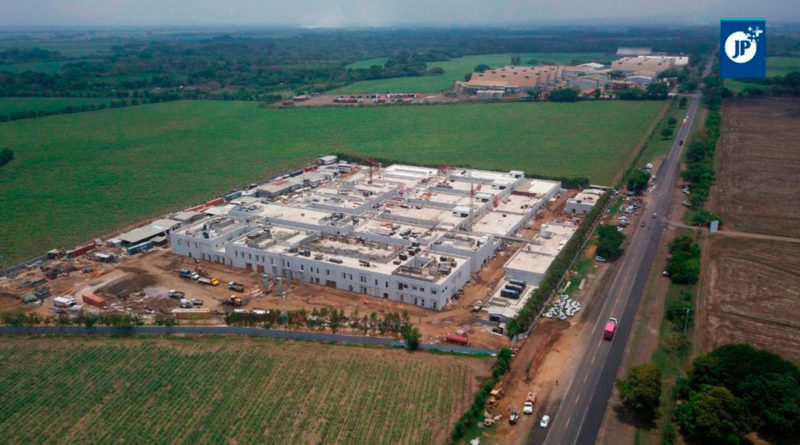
(583, 202)
(412, 235)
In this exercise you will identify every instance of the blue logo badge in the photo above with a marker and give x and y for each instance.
(743, 48)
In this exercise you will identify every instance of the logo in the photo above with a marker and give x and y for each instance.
(743, 45)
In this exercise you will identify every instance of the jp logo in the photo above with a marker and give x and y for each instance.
(741, 47)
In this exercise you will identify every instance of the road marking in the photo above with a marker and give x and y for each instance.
(578, 398)
(586, 378)
(567, 424)
(594, 356)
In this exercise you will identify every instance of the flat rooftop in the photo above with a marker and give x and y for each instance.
(517, 204)
(497, 223)
(530, 261)
(540, 187)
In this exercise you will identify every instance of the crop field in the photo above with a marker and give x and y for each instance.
(228, 390)
(757, 161)
(10, 105)
(753, 295)
(455, 69)
(83, 175)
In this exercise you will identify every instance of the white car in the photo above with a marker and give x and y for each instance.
(527, 408)
(545, 421)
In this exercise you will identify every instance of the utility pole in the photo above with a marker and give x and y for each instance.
(686, 320)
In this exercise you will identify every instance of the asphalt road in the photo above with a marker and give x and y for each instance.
(580, 413)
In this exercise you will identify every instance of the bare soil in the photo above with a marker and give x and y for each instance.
(752, 295)
(757, 166)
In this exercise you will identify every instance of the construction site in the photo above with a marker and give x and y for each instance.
(459, 250)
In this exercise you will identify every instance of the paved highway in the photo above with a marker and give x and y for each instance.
(580, 413)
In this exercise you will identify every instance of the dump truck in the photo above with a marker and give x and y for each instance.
(611, 329)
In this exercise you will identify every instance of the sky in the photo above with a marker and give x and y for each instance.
(378, 13)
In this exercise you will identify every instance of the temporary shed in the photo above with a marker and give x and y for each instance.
(142, 234)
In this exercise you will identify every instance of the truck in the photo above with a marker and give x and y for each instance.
(64, 301)
(204, 280)
(178, 295)
(234, 286)
(186, 304)
(611, 329)
(185, 273)
(233, 300)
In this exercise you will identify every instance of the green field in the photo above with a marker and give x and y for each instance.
(9, 105)
(82, 175)
(380, 61)
(776, 66)
(227, 391)
(456, 69)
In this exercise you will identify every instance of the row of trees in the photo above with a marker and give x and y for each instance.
(683, 265)
(637, 181)
(654, 91)
(556, 271)
(475, 413)
(85, 319)
(735, 389)
(326, 319)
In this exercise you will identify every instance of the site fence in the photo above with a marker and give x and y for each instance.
(22, 266)
(236, 330)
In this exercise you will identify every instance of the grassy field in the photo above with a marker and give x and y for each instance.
(657, 146)
(380, 61)
(9, 105)
(82, 175)
(227, 390)
(776, 66)
(456, 69)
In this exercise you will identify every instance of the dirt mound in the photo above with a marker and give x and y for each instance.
(129, 283)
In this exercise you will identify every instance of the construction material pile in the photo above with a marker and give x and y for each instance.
(564, 308)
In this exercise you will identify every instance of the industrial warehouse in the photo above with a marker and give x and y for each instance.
(408, 234)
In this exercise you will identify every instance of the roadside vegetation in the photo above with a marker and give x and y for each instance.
(736, 389)
(683, 265)
(466, 425)
(609, 240)
(640, 391)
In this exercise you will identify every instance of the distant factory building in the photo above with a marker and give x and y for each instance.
(649, 64)
(623, 51)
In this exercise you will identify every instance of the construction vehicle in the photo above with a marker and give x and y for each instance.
(175, 294)
(214, 282)
(233, 300)
(197, 302)
(186, 304)
(185, 273)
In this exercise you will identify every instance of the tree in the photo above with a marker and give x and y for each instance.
(516, 61)
(535, 92)
(672, 121)
(435, 71)
(481, 68)
(6, 155)
(666, 133)
(657, 90)
(564, 95)
(640, 391)
(412, 336)
(712, 415)
(638, 181)
(682, 103)
(609, 240)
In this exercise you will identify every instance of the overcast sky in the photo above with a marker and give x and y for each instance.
(338, 13)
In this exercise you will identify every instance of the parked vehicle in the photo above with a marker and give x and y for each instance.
(234, 286)
(457, 339)
(186, 304)
(514, 417)
(477, 306)
(204, 280)
(545, 421)
(600, 259)
(197, 302)
(178, 295)
(233, 300)
(64, 301)
(214, 282)
(185, 273)
(611, 329)
(527, 407)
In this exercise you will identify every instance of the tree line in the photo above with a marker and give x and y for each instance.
(539, 296)
(475, 412)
